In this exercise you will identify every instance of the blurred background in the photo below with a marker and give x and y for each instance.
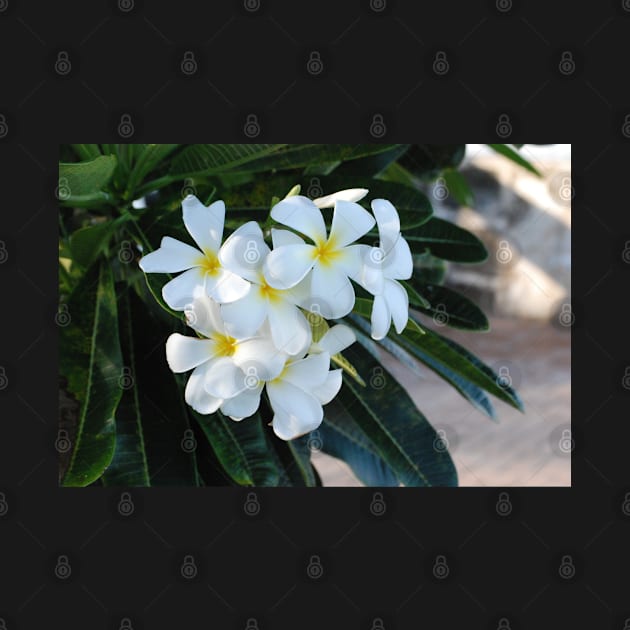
(524, 287)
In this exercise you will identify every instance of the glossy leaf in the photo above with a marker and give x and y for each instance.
(447, 241)
(88, 242)
(508, 152)
(458, 187)
(91, 361)
(85, 178)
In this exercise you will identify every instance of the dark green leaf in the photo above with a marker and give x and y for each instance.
(429, 160)
(85, 178)
(88, 242)
(147, 160)
(372, 165)
(446, 240)
(91, 361)
(513, 155)
(394, 426)
(241, 448)
(343, 438)
(129, 466)
(87, 151)
(428, 268)
(457, 185)
(449, 307)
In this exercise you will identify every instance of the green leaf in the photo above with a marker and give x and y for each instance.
(447, 241)
(457, 360)
(88, 242)
(85, 178)
(87, 151)
(146, 161)
(91, 361)
(397, 431)
(241, 448)
(427, 161)
(449, 307)
(511, 154)
(129, 466)
(428, 268)
(458, 187)
(372, 165)
(198, 159)
(344, 439)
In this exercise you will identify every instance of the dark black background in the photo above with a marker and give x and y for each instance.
(503, 59)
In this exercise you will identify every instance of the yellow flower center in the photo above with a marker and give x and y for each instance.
(225, 345)
(209, 263)
(327, 252)
(265, 291)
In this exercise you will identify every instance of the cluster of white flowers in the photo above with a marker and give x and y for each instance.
(253, 307)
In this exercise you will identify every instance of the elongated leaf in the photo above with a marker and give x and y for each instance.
(457, 360)
(428, 268)
(147, 160)
(446, 240)
(88, 242)
(301, 455)
(426, 161)
(241, 448)
(516, 157)
(207, 159)
(372, 165)
(87, 151)
(90, 359)
(458, 187)
(344, 439)
(396, 429)
(85, 178)
(448, 307)
(129, 466)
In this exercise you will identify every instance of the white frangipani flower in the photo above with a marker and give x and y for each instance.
(203, 273)
(298, 393)
(383, 265)
(244, 253)
(334, 340)
(228, 373)
(350, 194)
(331, 258)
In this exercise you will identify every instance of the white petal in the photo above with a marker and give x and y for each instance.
(381, 318)
(243, 405)
(245, 316)
(224, 379)
(398, 264)
(301, 214)
(225, 286)
(205, 225)
(289, 329)
(244, 252)
(284, 237)
(195, 394)
(204, 316)
(258, 358)
(308, 373)
(185, 353)
(172, 256)
(182, 290)
(287, 265)
(397, 303)
(387, 219)
(336, 339)
(329, 388)
(295, 411)
(350, 194)
(350, 222)
(363, 264)
(331, 291)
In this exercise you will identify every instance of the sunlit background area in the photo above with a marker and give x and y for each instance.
(524, 287)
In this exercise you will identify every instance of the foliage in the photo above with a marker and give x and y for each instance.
(133, 427)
